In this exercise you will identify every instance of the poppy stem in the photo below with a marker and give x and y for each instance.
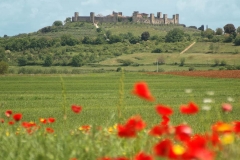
(121, 95)
(64, 101)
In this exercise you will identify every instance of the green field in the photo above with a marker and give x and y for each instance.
(42, 96)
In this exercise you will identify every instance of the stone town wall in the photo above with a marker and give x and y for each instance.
(136, 18)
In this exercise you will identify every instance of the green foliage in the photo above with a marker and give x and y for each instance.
(46, 29)
(191, 68)
(67, 39)
(134, 39)
(208, 33)
(3, 56)
(238, 30)
(86, 40)
(145, 36)
(237, 41)
(57, 23)
(229, 28)
(219, 31)
(78, 60)
(68, 20)
(175, 35)
(3, 67)
(223, 63)
(108, 33)
(48, 60)
(22, 61)
(157, 50)
(182, 61)
(99, 30)
(115, 39)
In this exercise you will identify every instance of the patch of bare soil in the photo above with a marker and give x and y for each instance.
(212, 74)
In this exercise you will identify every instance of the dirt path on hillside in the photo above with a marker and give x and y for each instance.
(212, 74)
(187, 48)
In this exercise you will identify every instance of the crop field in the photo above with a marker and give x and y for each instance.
(44, 96)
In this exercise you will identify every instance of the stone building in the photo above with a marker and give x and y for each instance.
(136, 18)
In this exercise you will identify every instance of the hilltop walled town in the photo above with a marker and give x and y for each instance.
(136, 18)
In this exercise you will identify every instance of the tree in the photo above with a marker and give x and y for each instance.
(86, 40)
(201, 28)
(237, 41)
(238, 30)
(2, 55)
(67, 20)
(145, 36)
(57, 23)
(175, 35)
(229, 28)
(115, 39)
(22, 61)
(219, 31)
(78, 60)
(108, 33)
(208, 33)
(99, 30)
(48, 60)
(3, 67)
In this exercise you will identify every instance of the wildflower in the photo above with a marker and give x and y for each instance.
(162, 149)
(84, 128)
(191, 108)
(130, 129)
(227, 139)
(1, 120)
(49, 130)
(165, 120)
(183, 132)
(11, 122)
(221, 127)
(51, 120)
(17, 116)
(236, 127)
(76, 109)
(226, 107)
(141, 90)
(43, 120)
(143, 156)
(159, 130)
(164, 110)
(8, 113)
(178, 149)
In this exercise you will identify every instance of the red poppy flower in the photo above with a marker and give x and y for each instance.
(11, 122)
(51, 120)
(236, 127)
(143, 156)
(183, 132)
(159, 130)
(226, 107)
(164, 110)
(76, 109)
(1, 120)
(165, 120)
(17, 116)
(141, 90)
(126, 131)
(191, 108)
(8, 113)
(131, 127)
(136, 122)
(49, 130)
(163, 148)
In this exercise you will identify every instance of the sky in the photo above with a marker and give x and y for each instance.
(26, 16)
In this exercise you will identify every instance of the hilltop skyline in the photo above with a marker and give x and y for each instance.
(26, 16)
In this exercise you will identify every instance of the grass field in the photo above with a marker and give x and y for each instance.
(40, 96)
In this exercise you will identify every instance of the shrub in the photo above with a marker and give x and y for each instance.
(157, 50)
(48, 61)
(237, 41)
(216, 61)
(191, 68)
(119, 69)
(3, 67)
(22, 61)
(182, 61)
(223, 63)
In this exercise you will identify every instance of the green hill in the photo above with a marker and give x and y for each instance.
(78, 47)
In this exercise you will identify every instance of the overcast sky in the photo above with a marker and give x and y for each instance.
(25, 16)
